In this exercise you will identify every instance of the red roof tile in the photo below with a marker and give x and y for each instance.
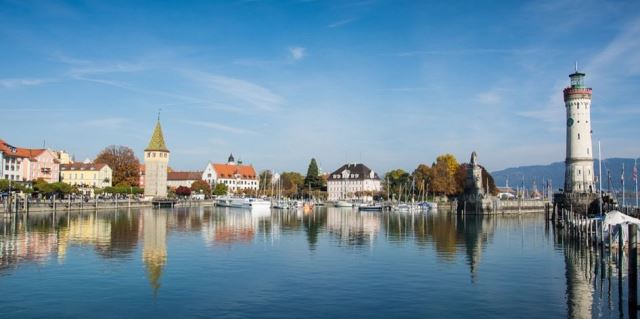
(230, 171)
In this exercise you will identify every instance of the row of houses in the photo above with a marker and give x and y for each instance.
(21, 164)
(26, 164)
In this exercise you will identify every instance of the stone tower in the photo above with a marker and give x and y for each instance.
(579, 173)
(156, 162)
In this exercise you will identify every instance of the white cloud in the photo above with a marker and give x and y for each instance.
(341, 23)
(297, 53)
(489, 98)
(15, 83)
(242, 90)
(221, 127)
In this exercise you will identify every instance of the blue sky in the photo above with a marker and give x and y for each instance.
(388, 83)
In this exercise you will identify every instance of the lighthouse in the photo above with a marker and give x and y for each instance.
(579, 174)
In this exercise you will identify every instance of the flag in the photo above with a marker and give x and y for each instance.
(635, 172)
(622, 176)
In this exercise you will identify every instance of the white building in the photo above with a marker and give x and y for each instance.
(353, 181)
(579, 173)
(156, 161)
(236, 176)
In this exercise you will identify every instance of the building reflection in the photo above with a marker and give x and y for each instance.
(353, 228)
(154, 249)
(235, 226)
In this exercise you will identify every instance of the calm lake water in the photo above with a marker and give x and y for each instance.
(217, 262)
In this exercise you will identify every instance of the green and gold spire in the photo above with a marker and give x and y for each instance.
(157, 140)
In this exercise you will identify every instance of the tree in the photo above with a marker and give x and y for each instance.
(396, 180)
(292, 183)
(444, 175)
(220, 189)
(123, 162)
(422, 177)
(201, 187)
(313, 180)
(265, 178)
(183, 191)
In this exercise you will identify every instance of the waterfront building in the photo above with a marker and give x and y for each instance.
(15, 162)
(156, 163)
(579, 173)
(87, 175)
(235, 175)
(353, 181)
(25, 164)
(186, 179)
(43, 165)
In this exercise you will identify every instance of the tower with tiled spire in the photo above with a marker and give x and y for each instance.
(156, 162)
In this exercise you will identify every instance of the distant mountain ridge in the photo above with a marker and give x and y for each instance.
(555, 172)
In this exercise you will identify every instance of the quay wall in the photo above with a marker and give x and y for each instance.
(64, 206)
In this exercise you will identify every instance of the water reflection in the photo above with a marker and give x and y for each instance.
(154, 251)
(115, 235)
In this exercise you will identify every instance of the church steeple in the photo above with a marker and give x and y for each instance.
(157, 140)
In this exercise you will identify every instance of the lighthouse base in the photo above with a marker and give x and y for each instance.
(581, 203)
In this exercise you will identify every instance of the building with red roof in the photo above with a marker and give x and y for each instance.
(26, 164)
(235, 175)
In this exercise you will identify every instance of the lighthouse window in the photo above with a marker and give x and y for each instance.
(578, 135)
(587, 151)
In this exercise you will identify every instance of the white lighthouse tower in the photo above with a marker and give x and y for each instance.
(579, 172)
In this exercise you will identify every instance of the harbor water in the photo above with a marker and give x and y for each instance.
(336, 263)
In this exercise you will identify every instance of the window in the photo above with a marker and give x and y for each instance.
(587, 151)
(578, 135)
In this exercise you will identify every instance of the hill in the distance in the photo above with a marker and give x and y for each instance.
(555, 172)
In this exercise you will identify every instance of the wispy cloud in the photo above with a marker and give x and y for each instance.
(221, 127)
(254, 94)
(623, 52)
(15, 83)
(491, 97)
(109, 123)
(297, 53)
(340, 23)
(99, 69)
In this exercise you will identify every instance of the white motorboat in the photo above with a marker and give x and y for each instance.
(342, 203)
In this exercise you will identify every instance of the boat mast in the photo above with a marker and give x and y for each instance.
(600, 174)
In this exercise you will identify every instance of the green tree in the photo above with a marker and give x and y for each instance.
(395, 181)
(313, 180)
(202, 187)
(444, 175)
(220, 189)
(123, 162)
